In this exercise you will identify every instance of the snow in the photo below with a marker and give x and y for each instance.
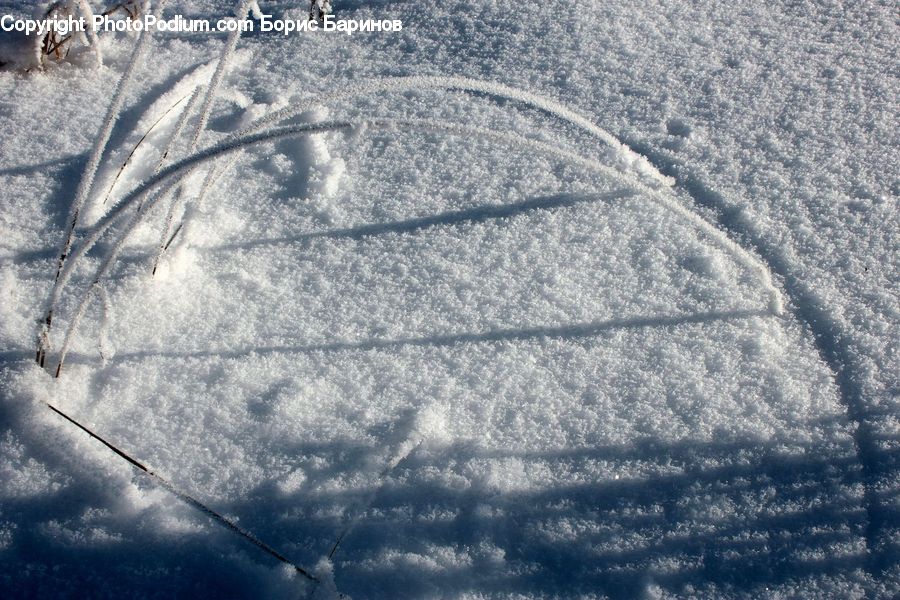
(528, 300)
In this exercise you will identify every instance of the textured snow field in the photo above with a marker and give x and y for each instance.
(423, 363)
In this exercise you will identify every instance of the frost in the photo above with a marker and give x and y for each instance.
(599, 323)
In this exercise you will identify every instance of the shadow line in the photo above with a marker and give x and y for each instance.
(477, 214)
(55, 164)
(576, 331)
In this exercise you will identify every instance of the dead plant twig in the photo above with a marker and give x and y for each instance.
(138, 145)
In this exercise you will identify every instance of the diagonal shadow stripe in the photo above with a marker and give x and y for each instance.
(65, 162)
(568, 332)
(476, 214)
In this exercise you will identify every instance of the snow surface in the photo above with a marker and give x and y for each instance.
(462, 345)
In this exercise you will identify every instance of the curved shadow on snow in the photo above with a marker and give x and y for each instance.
(831, 342)
(574, 331)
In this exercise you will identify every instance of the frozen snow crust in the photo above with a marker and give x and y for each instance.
(427, 335)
